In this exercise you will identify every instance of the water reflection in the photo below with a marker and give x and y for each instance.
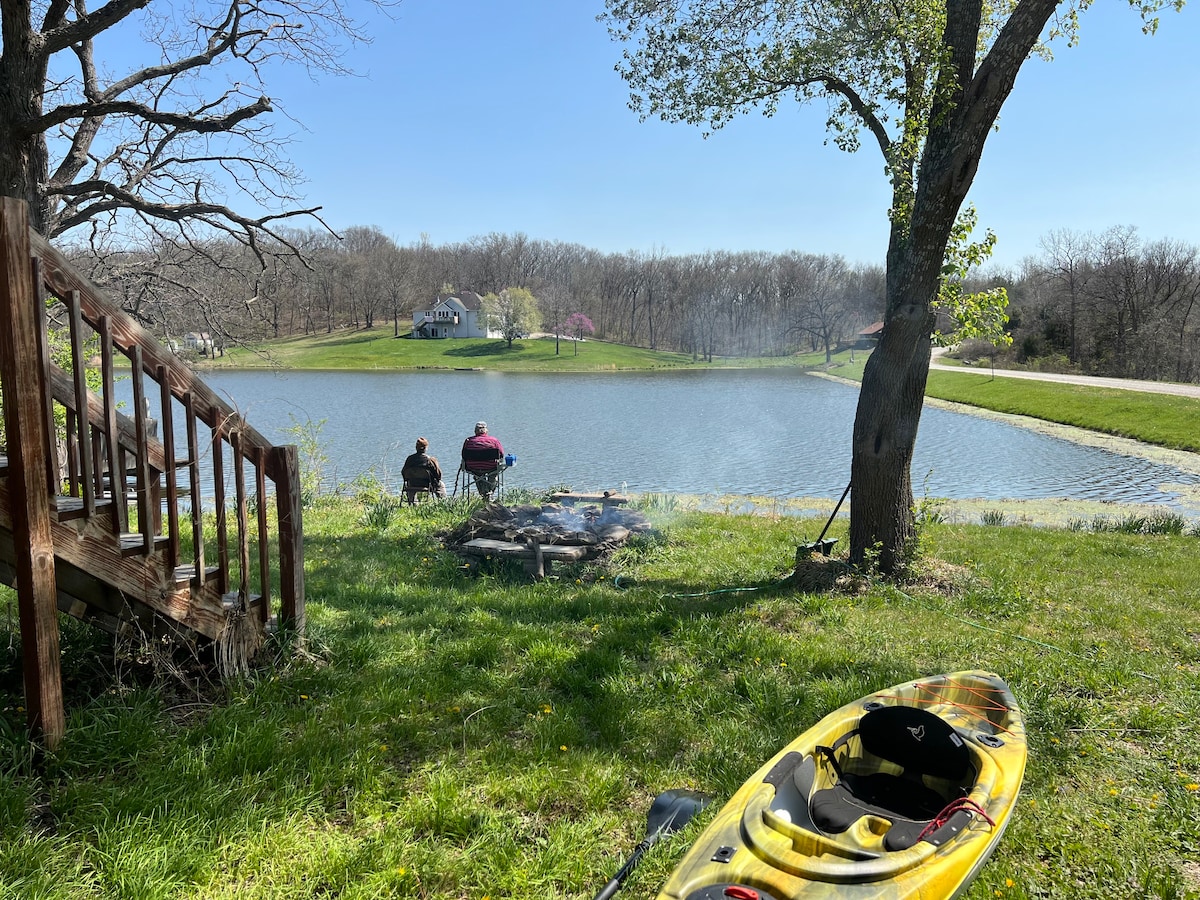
(772, 433)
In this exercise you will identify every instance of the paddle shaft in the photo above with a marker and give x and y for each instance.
(617, 880)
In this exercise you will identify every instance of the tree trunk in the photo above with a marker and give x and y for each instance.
(885, 432)
(882, 518)
(24, 160)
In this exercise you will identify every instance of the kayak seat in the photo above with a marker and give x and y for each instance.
(920, 745)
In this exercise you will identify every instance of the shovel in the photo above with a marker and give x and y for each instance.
(669, 812)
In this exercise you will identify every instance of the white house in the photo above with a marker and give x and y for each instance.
(199, 341)
(454, 315)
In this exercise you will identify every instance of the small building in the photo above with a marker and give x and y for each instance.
(457, 315)
(200, 342)
(868, 337)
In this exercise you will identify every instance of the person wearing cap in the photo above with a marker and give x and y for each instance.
(421, 472)
(483, 457)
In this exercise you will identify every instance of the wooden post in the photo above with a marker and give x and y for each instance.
(24, 390)
(285, 469)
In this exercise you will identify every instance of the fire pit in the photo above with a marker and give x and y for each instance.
(541, 535)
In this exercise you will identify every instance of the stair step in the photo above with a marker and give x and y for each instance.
(184, 574)
(69, 508)
(133, 544)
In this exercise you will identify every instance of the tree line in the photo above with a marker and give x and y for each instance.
(1104, 304)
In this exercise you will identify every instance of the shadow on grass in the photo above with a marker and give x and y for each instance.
(479, 349)
(361, 336)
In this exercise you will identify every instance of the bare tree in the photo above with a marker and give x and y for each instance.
(162, 152)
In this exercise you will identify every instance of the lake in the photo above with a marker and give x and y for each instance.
(772, 433)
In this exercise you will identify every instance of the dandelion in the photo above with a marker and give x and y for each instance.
(1112, 792)
(1191, 786)
(383, 748)
(304, 696)
(1008, 882)
(563, 748)
(782, 664)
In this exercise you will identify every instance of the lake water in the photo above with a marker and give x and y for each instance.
(764, 432)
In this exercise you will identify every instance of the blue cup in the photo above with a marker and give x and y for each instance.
(510, 460)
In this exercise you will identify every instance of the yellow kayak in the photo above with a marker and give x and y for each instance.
(904, 793)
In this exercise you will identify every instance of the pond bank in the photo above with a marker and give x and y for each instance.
(1055, 512)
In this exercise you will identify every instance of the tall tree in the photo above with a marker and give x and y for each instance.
(164, 150)
(513, 312)
(925, 79)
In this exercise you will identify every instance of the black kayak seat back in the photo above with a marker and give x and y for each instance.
(915, 739)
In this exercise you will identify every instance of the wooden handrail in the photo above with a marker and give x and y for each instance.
(61, 278)
(141, 469)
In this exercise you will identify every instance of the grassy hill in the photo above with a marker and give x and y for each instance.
(376, 348)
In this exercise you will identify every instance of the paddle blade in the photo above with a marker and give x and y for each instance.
(673, 809)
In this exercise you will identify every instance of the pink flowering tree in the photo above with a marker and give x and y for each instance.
(576, 325)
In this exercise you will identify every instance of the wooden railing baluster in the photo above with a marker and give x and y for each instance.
(146, 515)
(79, 380)
(167, 424)
(264, 548)
(43, 350)
(72, 437)
(218, 467)
(243, 523)
(193, 438)
(116, 468)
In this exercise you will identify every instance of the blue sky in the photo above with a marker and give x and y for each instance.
(477, 116)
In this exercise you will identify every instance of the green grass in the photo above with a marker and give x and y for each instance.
(377, 349)
(1159, 419)
(459, 735)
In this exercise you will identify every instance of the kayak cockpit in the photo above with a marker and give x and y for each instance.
(880, 798)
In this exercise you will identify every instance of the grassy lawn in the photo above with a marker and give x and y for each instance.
(453, 735)
(377, 349)
(1159, 419)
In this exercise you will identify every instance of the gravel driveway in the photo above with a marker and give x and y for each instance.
(1127, 384)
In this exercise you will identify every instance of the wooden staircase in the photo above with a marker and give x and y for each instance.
(103, 519)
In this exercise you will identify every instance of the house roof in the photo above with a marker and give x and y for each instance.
(871, 330)
(469, 299)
